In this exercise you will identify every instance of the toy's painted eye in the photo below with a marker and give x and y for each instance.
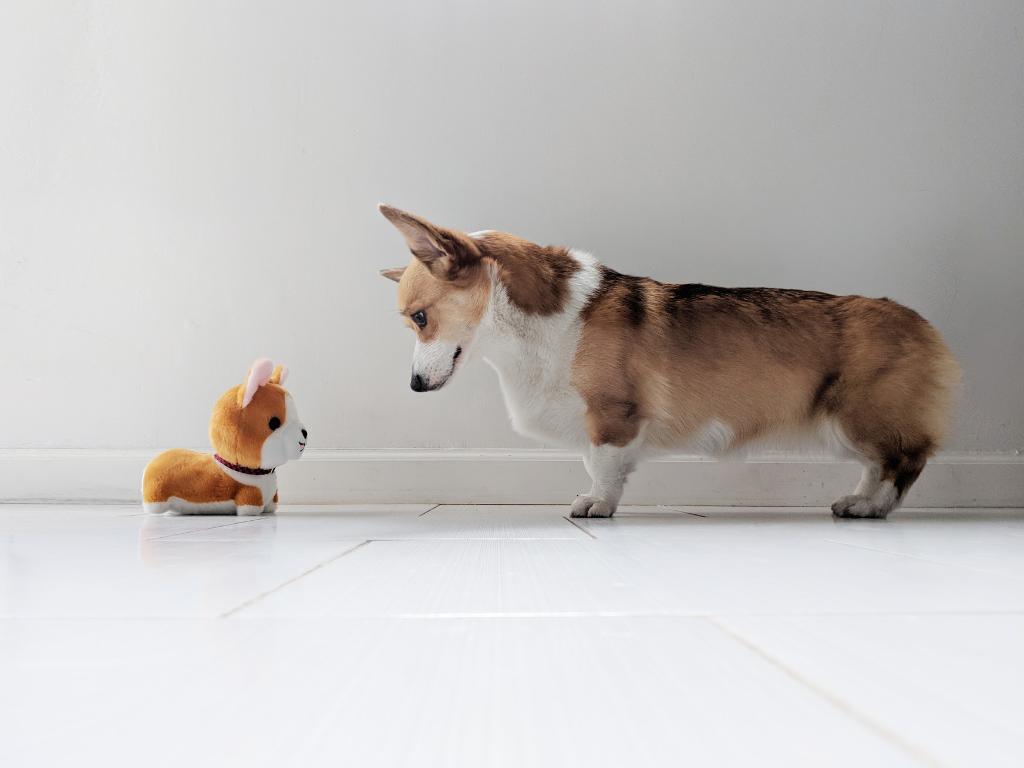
(420, 318)
(274, 423)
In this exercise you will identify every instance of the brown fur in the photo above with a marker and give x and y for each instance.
(535, 277)
(763, 360)
(449, 307)
(448, 254)
(188, 475)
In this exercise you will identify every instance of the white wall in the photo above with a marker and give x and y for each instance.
(185, 186)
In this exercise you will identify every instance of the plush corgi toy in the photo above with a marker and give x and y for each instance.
(254, 429)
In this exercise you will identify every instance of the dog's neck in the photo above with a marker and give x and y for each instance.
(513, 340)
(533, 355)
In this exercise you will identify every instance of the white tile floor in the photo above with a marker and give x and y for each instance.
(510, 636)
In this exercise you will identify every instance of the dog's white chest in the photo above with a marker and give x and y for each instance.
(541, 402)
(533, 357)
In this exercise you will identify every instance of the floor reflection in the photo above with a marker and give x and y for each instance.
(176, 539)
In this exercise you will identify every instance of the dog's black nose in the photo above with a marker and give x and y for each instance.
(417, 383)
(305, 434)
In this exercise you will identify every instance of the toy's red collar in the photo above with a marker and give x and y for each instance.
(240, 468)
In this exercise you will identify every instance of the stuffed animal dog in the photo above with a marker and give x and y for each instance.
(254, 429)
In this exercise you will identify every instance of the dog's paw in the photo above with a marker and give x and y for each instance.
(857, 506)
(591, 506)
(247, 510)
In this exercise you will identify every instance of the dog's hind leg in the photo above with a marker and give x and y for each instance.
(892, 402)
(882, 487)
(891, 480)
(892, 462)
(860, 501)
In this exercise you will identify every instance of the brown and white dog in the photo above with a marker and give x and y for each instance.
(254, 429)
(621, 367)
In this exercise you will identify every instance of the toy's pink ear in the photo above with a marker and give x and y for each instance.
(279, 375)
(259, 375)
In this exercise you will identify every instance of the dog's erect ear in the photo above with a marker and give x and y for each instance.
(259, 375)
(445, 252)
(279, 375)
(422, 237)
(395, 273)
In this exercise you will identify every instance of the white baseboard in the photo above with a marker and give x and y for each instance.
(523, 477)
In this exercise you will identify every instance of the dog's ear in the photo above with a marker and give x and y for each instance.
(279, 375)
(446, 253)
(395, 273)
(258, 375)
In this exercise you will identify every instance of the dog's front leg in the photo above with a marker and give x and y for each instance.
(609, 466)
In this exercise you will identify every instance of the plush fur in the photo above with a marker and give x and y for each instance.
(621, 367)
(254, 426)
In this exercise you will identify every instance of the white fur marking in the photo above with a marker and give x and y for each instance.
(533, 356)
(175, 505)
(609, 467)
(836, 441)
(434, 361)
(715, 438)
(869, 481)
(885, 496)
(283, 444)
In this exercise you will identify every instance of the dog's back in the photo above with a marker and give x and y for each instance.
(719, 367)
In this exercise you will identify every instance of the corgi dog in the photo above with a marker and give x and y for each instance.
(254, 429)
(622, 367)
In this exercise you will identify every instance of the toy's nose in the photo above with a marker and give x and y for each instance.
(305, 433)
(417, 383)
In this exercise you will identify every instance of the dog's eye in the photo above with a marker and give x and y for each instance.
(420, 318)
(274, 423)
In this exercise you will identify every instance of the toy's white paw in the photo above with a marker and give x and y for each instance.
(246, 510)
(591, 506)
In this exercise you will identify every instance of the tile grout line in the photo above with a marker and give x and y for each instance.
(488, 615)
(680, 509)
(207, 528)
(918, 753)
(570, 521)
(450, 539)
(918, 558)
(283, 584)
(421, 514)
